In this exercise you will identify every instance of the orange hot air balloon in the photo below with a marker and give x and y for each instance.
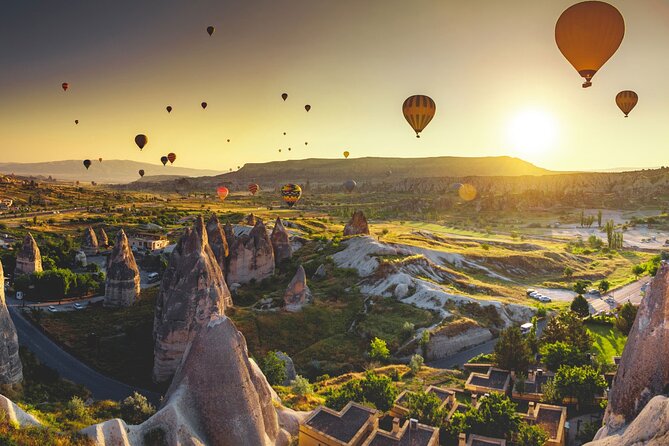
(210, 30)
(284, 96)
(65, 86)
(346, 154)
(87, 164)
(172, 157)
(100, 159)
(253, 188)
(291, 194)
(222, 192)
(163, 159)
(588, 34)
(418, 111)
(141, 140)
(141, 172)
(169, 109)
(203, 105)
(626, 101)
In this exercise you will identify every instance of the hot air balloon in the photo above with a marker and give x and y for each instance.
(76, 121)
(289, 149)
(307, 107)
(222, 192)
(346, 154)
(279, 150)
(87, 164)
(203, 105)
(228, 140)
(588, 34)
(169, 109)
(141, 141)
(210, 30)
(349, 185)
(284, 133)
(291, 194)
(163, 159)
(253, 188)
(141, 172)
(626, 101)
(172, 157)
(65, 86)
(100, 159)
(306, 143)
(284, 96)
(418, 111)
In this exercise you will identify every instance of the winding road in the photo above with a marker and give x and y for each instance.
(69, 367)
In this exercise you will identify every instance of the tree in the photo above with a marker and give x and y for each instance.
(378, 349)
(512, 351)
(626, 317)
(638, 270)
(531, 435)
(273, 368)
(581, 286)
(582, 383)
(425, 407)
(580, 306)
(599, 218)
(568, 272)
(604, 286)
(301, 386)
(560, 353)
(496, 416)
(136, 409)
(567, 327)
(415, 364)
(374, 390)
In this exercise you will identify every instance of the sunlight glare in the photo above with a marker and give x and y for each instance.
(532, 132)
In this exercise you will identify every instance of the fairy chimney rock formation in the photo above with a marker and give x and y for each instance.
(229, 233)
(250, 220)
(29, 259)
(298, 293)
(192, 290)
(122, 286)
(11, 371)
(218, 242)
(103, 240)
(280, 242)
(90, 242)
(357, 225)
(251, 256)
(644, 369)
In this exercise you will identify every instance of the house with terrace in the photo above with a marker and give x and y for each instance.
(411, 433)
(446, 396)
(494, 380)
(552, 419)
(349, 427)
(531, 389)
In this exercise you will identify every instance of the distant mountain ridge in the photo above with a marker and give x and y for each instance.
(108, 171)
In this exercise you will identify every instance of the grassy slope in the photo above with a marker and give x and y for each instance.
(607, 341)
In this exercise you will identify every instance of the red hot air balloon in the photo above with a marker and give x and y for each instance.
(253, 188)
(172, 157)
(163, 159)
(65, 86)
(222, 192)
(141, 141)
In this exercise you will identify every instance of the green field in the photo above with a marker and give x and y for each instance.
(607, 341)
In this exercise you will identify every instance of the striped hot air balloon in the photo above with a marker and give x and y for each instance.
(418, 111)
(253, 188)
(222, 192)
(291, 194)
(171, 157)
(626, 101)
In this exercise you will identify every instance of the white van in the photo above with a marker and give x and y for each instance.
(526, 328)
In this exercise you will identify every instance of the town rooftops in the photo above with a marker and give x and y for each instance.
(446, 396)
(495, 380)
(480, 440)
(346, 426)
(551, 418)
(411, 433)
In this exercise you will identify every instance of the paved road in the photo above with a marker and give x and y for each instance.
(632, 293)
(69, 367)
(462, 357)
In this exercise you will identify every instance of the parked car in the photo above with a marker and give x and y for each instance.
(78, 306)
(610, 301)
(545, 299)
(153, 277)
(53, 309)
(526, 327)
(530, 291)
(535, 295)
(594, 292)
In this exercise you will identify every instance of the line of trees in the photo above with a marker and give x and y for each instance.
(59, 283)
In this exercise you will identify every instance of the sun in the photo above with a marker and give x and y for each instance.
(532, 132)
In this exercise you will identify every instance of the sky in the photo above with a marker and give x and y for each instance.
(500, 84)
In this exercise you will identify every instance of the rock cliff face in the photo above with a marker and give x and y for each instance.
(298, 293)
(11, 371)
(649, 428)
(89, 243)
(103, 240)
(644, 368)
(218, 397)
(280, 242)
(14, 414)
(122, 286)
(357, 225)
(218, 242)
(192, 290)
(251, 256)
(29, 259)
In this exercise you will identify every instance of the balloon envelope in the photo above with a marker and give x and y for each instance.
(253, 188)
(141, 172)
(169, 109)
(100, 159)
(307, 107)
(163, 159)
(626, 101)
(171, 157)
(291, 194)
(222, 192)
(349, 185)
(588, 34)
(346, 154)
(141, 141)
(65, 86)
(419, 110)
(210, 30)
(284, 96)
(76, 121)
(87, 164)
(204, 105)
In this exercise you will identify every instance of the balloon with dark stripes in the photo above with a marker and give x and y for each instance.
(626, 101)
(418, 111)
